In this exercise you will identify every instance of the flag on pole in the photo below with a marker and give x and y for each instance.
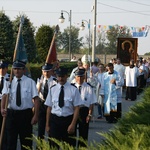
(21, 53)
(52, 57)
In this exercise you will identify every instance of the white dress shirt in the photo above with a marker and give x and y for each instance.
(28, 92)
(5, 77)
(41, 81)
(72, 98)
(87, 94)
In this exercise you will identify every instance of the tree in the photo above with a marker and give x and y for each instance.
(63, 40)
(28, 36)
(147, 54)
(88, 43)
(6, 38)
(112, 35)
(101, 45)
(43, 40)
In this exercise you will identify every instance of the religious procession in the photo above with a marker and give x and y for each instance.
(61, 104)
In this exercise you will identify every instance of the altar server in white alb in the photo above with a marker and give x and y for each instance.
(99, 92)
(119, 67)
(131, 74)
(112, 104)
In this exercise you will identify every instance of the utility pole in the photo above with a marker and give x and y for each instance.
(94, 30)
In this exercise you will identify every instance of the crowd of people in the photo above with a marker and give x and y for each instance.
(63, 105)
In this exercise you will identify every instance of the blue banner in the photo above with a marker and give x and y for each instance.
(139, 34)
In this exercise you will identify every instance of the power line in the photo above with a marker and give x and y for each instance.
(124, 9)
(118, 12)
(42, 12)
(138, 3)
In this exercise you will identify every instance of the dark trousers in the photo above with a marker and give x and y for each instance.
(1, 117)
(100, 110)
(114, 116)
(58, 130)
(3, 146)
(19, 123)
(131, 93)
(42, 120)
(140, 84)
(83, 126)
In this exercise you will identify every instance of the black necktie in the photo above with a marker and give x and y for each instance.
(1, 84)
(18, 94)
(86, 76)
(61, 97)
(45, 89)
(80, 89)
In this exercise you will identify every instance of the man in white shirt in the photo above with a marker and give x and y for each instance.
(63, 101)
(88, 99)
(3, 76)
(20, 117)
(43, 85)
(72, 75)
(141, 79)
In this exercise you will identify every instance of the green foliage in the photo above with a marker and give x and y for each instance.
(63, 40)
(133, 130)
(28, 36)
(101, 45)
(36, 68)
(147, 54)
(112, 35)
(43, 40)
(43, 144)
(6, 38)
(69, 65)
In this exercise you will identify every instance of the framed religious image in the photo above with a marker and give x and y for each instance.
(127, 49)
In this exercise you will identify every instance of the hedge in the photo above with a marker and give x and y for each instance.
(36, 71)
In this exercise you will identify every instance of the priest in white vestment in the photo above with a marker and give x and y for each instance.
(111, 83)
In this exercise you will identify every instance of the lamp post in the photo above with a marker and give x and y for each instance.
(82, 27)
(61, 20)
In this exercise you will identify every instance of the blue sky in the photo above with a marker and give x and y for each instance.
(131, 13)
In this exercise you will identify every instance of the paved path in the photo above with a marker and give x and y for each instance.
(100, 125)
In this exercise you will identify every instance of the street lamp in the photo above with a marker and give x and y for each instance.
(61, 20)
(82, 27)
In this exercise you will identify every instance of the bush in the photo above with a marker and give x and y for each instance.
(133, 130)
(36, 71)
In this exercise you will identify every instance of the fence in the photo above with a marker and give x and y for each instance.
(104, 58)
